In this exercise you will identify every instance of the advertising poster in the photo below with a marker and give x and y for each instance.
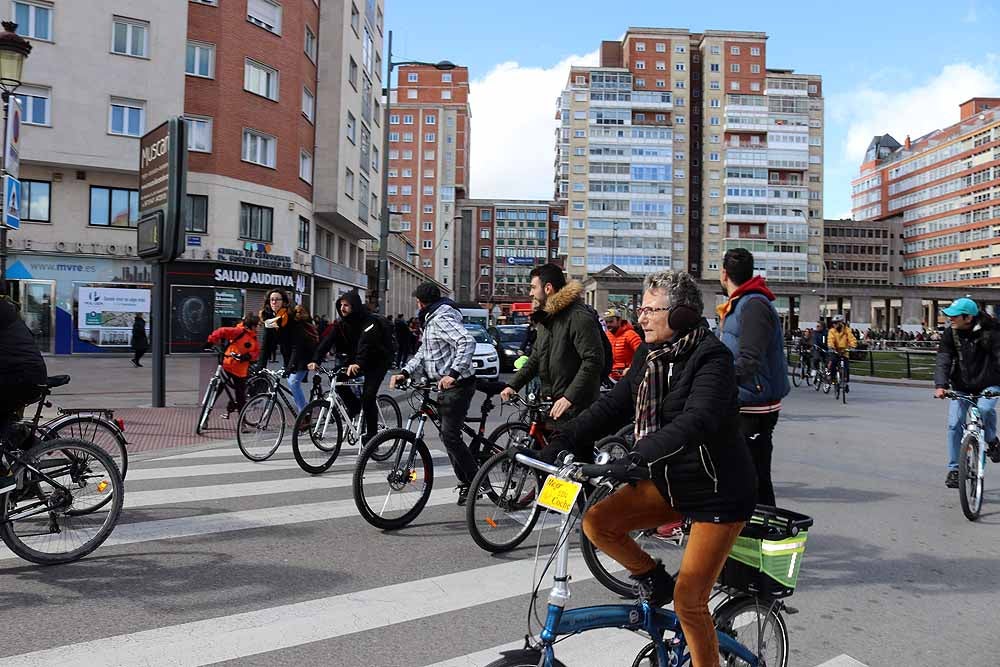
(228, 307)
(106, 314)
(191, 318)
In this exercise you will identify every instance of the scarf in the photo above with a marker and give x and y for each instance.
(755, 284)
(656, 381)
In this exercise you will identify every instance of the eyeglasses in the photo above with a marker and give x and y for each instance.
(649, 310)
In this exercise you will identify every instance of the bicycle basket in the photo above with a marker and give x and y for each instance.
(766, 557)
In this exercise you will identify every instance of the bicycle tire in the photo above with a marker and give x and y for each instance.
(389, 417)
(509, 434)
(617, 580)
(499, 521)
(95, 430)
(258, 384)
(316, 447)
(827, 384)
(407, 447)
(207, 403)
(262, 407)
(836, 391)
(109, 476)
(797, 374)
(741, 617)
(970, 485)
(528, 657)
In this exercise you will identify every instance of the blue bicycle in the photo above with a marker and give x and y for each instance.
(750, 627)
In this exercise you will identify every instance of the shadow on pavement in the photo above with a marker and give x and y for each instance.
(829, 494)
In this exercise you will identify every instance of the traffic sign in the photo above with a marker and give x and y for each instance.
(11, 202)
(163, 185)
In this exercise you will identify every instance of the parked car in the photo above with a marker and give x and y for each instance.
(511, 339)
(486, 361)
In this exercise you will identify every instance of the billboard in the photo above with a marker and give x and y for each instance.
(106, 314)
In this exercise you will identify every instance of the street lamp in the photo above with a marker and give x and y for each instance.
(14, 50)
(383, 249)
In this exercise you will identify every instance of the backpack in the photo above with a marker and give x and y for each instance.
(388, 335)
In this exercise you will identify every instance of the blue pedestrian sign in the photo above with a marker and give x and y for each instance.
(11, 202)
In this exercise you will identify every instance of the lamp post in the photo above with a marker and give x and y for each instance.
(14, 50)
(383, 249)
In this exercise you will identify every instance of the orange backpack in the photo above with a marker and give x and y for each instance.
(247, 349)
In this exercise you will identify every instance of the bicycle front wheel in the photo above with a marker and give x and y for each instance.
(207, 403)
(317, 436)
(389, 417)
(757, 625)
(390, 494)
(261, 427)
(96, 430)
(970, 482)
(67, 508)
(502, 512)
(797, 374)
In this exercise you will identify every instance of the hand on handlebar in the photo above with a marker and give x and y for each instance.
(507, 394)
(940, 393)
(397, 380)
(311, 365)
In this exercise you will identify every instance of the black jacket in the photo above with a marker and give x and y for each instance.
(301, 346)
(699, 459)
(20, 361)
(363, 337)
(274, 339)
(969, 361)
(140, 342)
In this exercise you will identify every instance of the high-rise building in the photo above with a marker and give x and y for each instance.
(429, 131)
(946, 188)
(681, 145)
(863, 253)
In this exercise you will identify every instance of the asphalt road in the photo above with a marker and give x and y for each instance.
(218, 559)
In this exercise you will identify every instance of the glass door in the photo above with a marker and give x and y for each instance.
(37, 299)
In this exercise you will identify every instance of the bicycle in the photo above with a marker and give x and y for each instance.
(750, 609)
(409, 470)
(972, 454)
(220, 382)
(324, 420)
(802, 371)
(839, 376)
(261, 424)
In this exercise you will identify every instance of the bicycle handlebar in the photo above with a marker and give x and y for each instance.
(960, 395)
(582, 472)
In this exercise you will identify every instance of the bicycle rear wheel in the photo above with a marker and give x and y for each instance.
(96, 430)
(389, 417)
(757, 625)
(212, 392)
(390, 494)
(66, 510)
(797, 374)
(665, 543)
(970, 482)
(317, 436)
(502, 512)
(261, 427)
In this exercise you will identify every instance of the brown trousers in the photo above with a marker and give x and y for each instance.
(607, 525)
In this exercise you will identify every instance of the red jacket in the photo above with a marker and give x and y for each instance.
(624, 343)
(239, 341)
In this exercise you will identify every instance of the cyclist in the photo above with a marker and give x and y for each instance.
(681, 392)
(366, 340)
(241, 349)
(839, 342)
(289, 328)
(445, 356)
(819, 347)
(805, 348)
(968, 360)
(624, 342)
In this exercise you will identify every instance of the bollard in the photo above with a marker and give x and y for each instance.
(909, 374)
(871, 363)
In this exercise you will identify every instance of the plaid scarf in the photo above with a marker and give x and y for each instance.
(656, 381)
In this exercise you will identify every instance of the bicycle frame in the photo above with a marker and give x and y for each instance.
(334, 401)
(429, 410)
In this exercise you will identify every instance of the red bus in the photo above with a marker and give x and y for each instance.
(520, 312)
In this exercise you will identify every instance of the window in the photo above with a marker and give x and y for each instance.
(640, 64)
(265, 14)
(349, 183)
(445, 77)
(393, 190)
(713, 67)
(199, 131)
(355, 19)
(715, 50)
(375, 160)
(196, 214)
(679, 84)
(394, 119)
(407, 173)
(412, 77)
(34, 105)
(256, 222)
(428, 244)
(127, 117)
(408, 119)
(308, 104)
(393, 136)
(352, 72)
(680, 67)
(713, 85)
(734, 68)
(352, 126)
(734, 85)
(640, 83)
(407, 155)
(406, 190)
(661, 83)
(259, 148)
(713, 157)
(428, 155)
(661, 47)
(114, 207)
(33, 20)
(428, 226)
(754, 68)
(306, 167)
(304, 235)
(408, 137)
(428, 189)
(130, 38)
(428, 208)
(484, 233)
(430, 137)
(260, 79)
(755, 86)
(445, 94)
(310, 44)
(484, 253)
(581, 80)
(411, 94)
(640, 46)
(661, 66)
(755, 50)
(200, 60)
(36, 198)
(430, 119)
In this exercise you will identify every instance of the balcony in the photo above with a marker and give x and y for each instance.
(748, 124)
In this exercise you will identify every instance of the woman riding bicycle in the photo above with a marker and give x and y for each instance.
(681, 392)
(241, 349)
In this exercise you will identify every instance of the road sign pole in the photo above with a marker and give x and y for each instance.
(4, 289)
(158, 326)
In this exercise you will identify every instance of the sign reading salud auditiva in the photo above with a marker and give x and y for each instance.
(256, 278)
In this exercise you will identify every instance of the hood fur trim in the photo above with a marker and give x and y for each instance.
(559, 301)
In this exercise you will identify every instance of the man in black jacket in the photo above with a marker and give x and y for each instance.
(363, 337)
(402, 332)
(968, 360)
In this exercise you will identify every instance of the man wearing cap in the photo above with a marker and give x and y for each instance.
(968, 360)
(624, 342)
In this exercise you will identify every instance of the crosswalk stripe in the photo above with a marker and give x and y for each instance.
(606, 647)
(252, 633)
(842, 660)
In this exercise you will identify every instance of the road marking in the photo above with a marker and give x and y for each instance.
(606, 647)
(842, 660)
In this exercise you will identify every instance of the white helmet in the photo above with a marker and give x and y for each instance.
(837, 319)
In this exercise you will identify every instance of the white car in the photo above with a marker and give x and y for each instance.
(485, 360)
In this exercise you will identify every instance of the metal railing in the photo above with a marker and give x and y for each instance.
(910, 363)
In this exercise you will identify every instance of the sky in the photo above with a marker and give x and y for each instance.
(886, 67)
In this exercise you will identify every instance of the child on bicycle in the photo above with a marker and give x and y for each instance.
(241, 349)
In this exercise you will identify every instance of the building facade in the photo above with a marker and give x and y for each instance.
(429, 143)
(681, 145)
(863, 252)
(946, 188)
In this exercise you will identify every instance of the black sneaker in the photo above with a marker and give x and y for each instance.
(993, 451)
(951, 481)
(656, 586)
(463, 494)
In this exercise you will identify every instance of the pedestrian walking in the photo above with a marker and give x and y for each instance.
(140, 341)
(403, 337)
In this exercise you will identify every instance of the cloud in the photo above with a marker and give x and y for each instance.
(513, 125)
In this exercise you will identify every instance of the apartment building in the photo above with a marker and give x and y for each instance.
(946, 188)
(429, 142)
(863, 252)
(680, 145)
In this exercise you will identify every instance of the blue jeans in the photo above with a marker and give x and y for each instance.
(295, 384)
(956, 422)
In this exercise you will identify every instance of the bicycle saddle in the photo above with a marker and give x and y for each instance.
(490, 387)
(57, 381)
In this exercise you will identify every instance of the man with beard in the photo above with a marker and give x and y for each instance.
(366, 340)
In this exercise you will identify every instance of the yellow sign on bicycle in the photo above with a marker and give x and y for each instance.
(559, 494)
